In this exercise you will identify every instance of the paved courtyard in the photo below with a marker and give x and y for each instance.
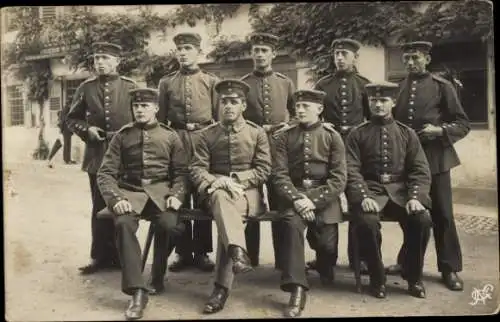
(47, 235)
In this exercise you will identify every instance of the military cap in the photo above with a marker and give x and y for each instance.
(106, 48)
(190, 38)
(231, 86)
(144, 95)
(266, 39)
(308, 95)
(381, 89)
(422, 46)
(346, 43)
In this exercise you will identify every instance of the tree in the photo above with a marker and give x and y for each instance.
(307, 29)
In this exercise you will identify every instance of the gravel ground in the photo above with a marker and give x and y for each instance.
(47, 236)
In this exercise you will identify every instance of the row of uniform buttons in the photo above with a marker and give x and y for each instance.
(344, 99)
(307, 153)
(189, 97)
(411, 110)
(266, 96)
(385, 153)
(107, 103)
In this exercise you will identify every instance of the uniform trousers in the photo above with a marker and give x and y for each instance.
(416, 231)
(326, 238)
(448, 250)
(129, 249)
(67, 145)
(103, 248)
(229, 215)
(197, 236)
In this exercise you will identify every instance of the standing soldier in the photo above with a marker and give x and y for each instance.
(143, 175)
(270, 105)
(309, 174)
(346, 104)
(231, 162)
(388, 175)
(429, 104)
(188, 103)
(100, 107)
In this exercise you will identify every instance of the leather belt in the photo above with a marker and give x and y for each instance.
(384, 177)
(190, 126)
(308, 183)
(143, 181)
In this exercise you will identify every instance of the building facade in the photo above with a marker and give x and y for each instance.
(475, 69)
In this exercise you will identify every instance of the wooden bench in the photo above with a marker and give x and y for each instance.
(198, 214)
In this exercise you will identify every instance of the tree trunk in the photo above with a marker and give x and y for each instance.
(42, 150)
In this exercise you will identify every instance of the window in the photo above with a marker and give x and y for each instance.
(54, 108)
(48, 13)
(71, 86)
(16, 104)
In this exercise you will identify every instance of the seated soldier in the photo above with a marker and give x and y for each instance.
(232, 160)
(388, 175)
(309, 171)
(143, 175)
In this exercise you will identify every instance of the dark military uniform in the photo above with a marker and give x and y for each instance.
(346, 106)
(386, 162)
(103, 102)
(269, 103)
(188, 102)
(309, 161)
(241, 151)
(145, 164)
(431, 99)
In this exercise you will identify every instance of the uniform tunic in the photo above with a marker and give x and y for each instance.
(346, 102)
(431, 99)
(104, 102)
(143, 162)
(270, 98)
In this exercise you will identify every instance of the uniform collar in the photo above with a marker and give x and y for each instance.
(345, 73)
(109, 77)
(382, 120)
(260, 73)
(423, 75)
(189, 71)
(147, 126)
(234, 127)
(310, 127)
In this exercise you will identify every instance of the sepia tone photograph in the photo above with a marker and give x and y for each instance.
(249, 161)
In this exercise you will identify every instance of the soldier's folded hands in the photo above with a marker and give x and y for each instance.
(413, 206)
(370, 205)
(173, 203)
(122, 207)
(96, 134)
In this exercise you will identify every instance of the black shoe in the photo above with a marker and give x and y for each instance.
(393, 269)
(95, 266)
(137, 305)
(155, 288)
(416, 289)
(204, 263)
(297, 302)
(181, 263)
(241, 261)
(378, 291)
(452, 281)
(216, 301)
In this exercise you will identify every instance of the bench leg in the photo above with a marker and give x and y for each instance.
(356, 257)
(149, 240)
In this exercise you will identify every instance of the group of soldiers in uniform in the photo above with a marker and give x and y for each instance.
(239, 147)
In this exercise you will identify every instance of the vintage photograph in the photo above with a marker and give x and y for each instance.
(249, 161)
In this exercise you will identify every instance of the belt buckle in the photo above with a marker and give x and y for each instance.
(190, 126)
(385, 178)
(146, 181)
(307, 183)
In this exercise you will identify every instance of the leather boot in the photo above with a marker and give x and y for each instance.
(297, 302)
(137, 305)
(241, 261)
(217, 300)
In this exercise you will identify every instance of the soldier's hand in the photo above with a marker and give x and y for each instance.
(96, 134)
(430, 131)
(173, 203)
(303, 205)
(122, 207)
(370, 205)
(414, 206)
(219, 183)
(308, 215)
